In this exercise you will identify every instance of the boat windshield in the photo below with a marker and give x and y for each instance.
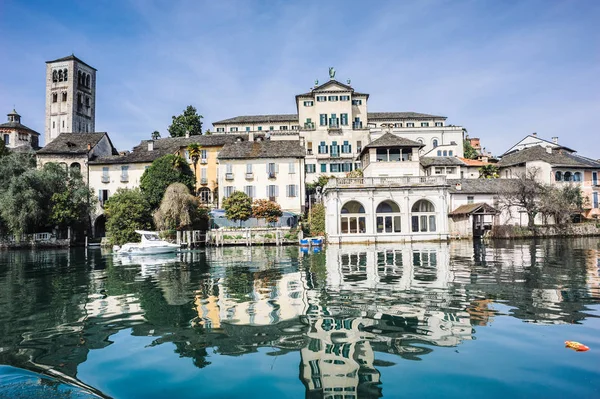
(151, 237)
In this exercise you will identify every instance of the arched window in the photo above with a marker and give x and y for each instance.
(75, 168)
(423, 218)
(568, 176)
(60, 75)
(66, 74)
(352, 218)
(87, 80)
(450, 153)
(577, 176)
(558, 176)
(204, 194)
(439, 153)
(54, 76)
(434, 143)
(445, 153)
(388, 217)
(420, 141)
(79, 77)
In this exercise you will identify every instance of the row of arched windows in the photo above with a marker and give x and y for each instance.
(60, 75)
(388, 218)
(84, 79)
(567, 176)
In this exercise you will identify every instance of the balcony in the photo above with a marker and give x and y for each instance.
(386, 182)
(204, 180)
(309, 126)
(272, 175)
(228, 176)
(124, 179)
(357, 125)
(203, 161)
(334, 129)
(249, 176)
(273, 199)
(105, 179)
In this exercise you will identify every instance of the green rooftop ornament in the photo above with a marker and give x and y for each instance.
(331, 73)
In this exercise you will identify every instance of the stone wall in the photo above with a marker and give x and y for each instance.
(572, 230)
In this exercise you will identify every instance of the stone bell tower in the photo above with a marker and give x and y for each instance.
(70, 97)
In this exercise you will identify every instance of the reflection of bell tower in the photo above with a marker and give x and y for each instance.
(70, 97)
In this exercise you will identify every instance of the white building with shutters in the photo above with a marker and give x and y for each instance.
(264, 169)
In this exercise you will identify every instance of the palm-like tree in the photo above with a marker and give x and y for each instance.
(488, 172)
(194, 150)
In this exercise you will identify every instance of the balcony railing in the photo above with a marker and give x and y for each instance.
(272, 175)
(357, 125)
(105, 179)
(204, 180)
(309, 152)
(309, 126)
(228, 176)
(249, 175)
(203, 161)
(401, 181)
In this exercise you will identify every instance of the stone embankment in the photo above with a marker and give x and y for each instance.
(570, 230)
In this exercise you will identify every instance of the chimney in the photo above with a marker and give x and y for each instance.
(151, 145)
(250, 136)
(555, 140)
(89, 146)
(534, 134)
(458, 187)
(549, 150)
(187, 134)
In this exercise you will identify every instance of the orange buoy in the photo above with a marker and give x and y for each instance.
(576, 346)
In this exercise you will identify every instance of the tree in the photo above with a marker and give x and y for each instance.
(127, 211)
(321, 182)
(73, 206)
(3, 149)
(155, 135)
(489, 171)
(188, 122)
(179, 210)
(194, 150)
(524, 192)
(356, 173)
(317, 220)
(161, 174)
(562, 203)
(265, 209)
(238, 206)
(470, 152)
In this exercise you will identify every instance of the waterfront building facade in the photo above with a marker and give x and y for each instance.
(70, 97)
(17, 136)
(264, 169)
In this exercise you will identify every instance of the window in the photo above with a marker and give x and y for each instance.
(248, 168)
(334, 167)
(87, 102)
(203, 155)
(283, 127)
(450, 170)
(358, 146)
(203, 172)
(595, 200)
(346, 148)
(357, 165)
(271, 128)
(321, 98)
(333, 121)
(64, 96)
(423, 217)
(439, 171)
(295, 127)
(247, 128)
(63, 123)
(344, 119)
(260, 128)
(439, 124)
(53, 125)
(105, 176)
(568, 176)
(322, 148)
(332, 98)
(335, 149)
(60, 75)
(434, 143)
(323, 168)
(6, 139)
(228, 191)
(357, 124)
(250, 191)
(410, 124)
(54, 76)
(356, 102)
(66, 74)
(233, 129)
(308, 103)
(445, 153)
(54, 97)
(272, 169)
(387, 219)
(220, 130)
(470, 199)
(310, 168)
(292, 167)
(594, 178)
(558, 176)
(346, 167)
(344, 98)
(577, 176)
(450, 153)
(424, 124)
(102, 196)
(272, 191)
(124, 173)
(397, 124)
(292, 190)
(352, 218)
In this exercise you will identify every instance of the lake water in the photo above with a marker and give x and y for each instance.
(422, 320)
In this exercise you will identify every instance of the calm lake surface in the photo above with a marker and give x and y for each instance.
(421, 320)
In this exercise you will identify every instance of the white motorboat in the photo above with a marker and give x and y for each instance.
(151, 244)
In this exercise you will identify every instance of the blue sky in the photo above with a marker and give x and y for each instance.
(502, 69)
